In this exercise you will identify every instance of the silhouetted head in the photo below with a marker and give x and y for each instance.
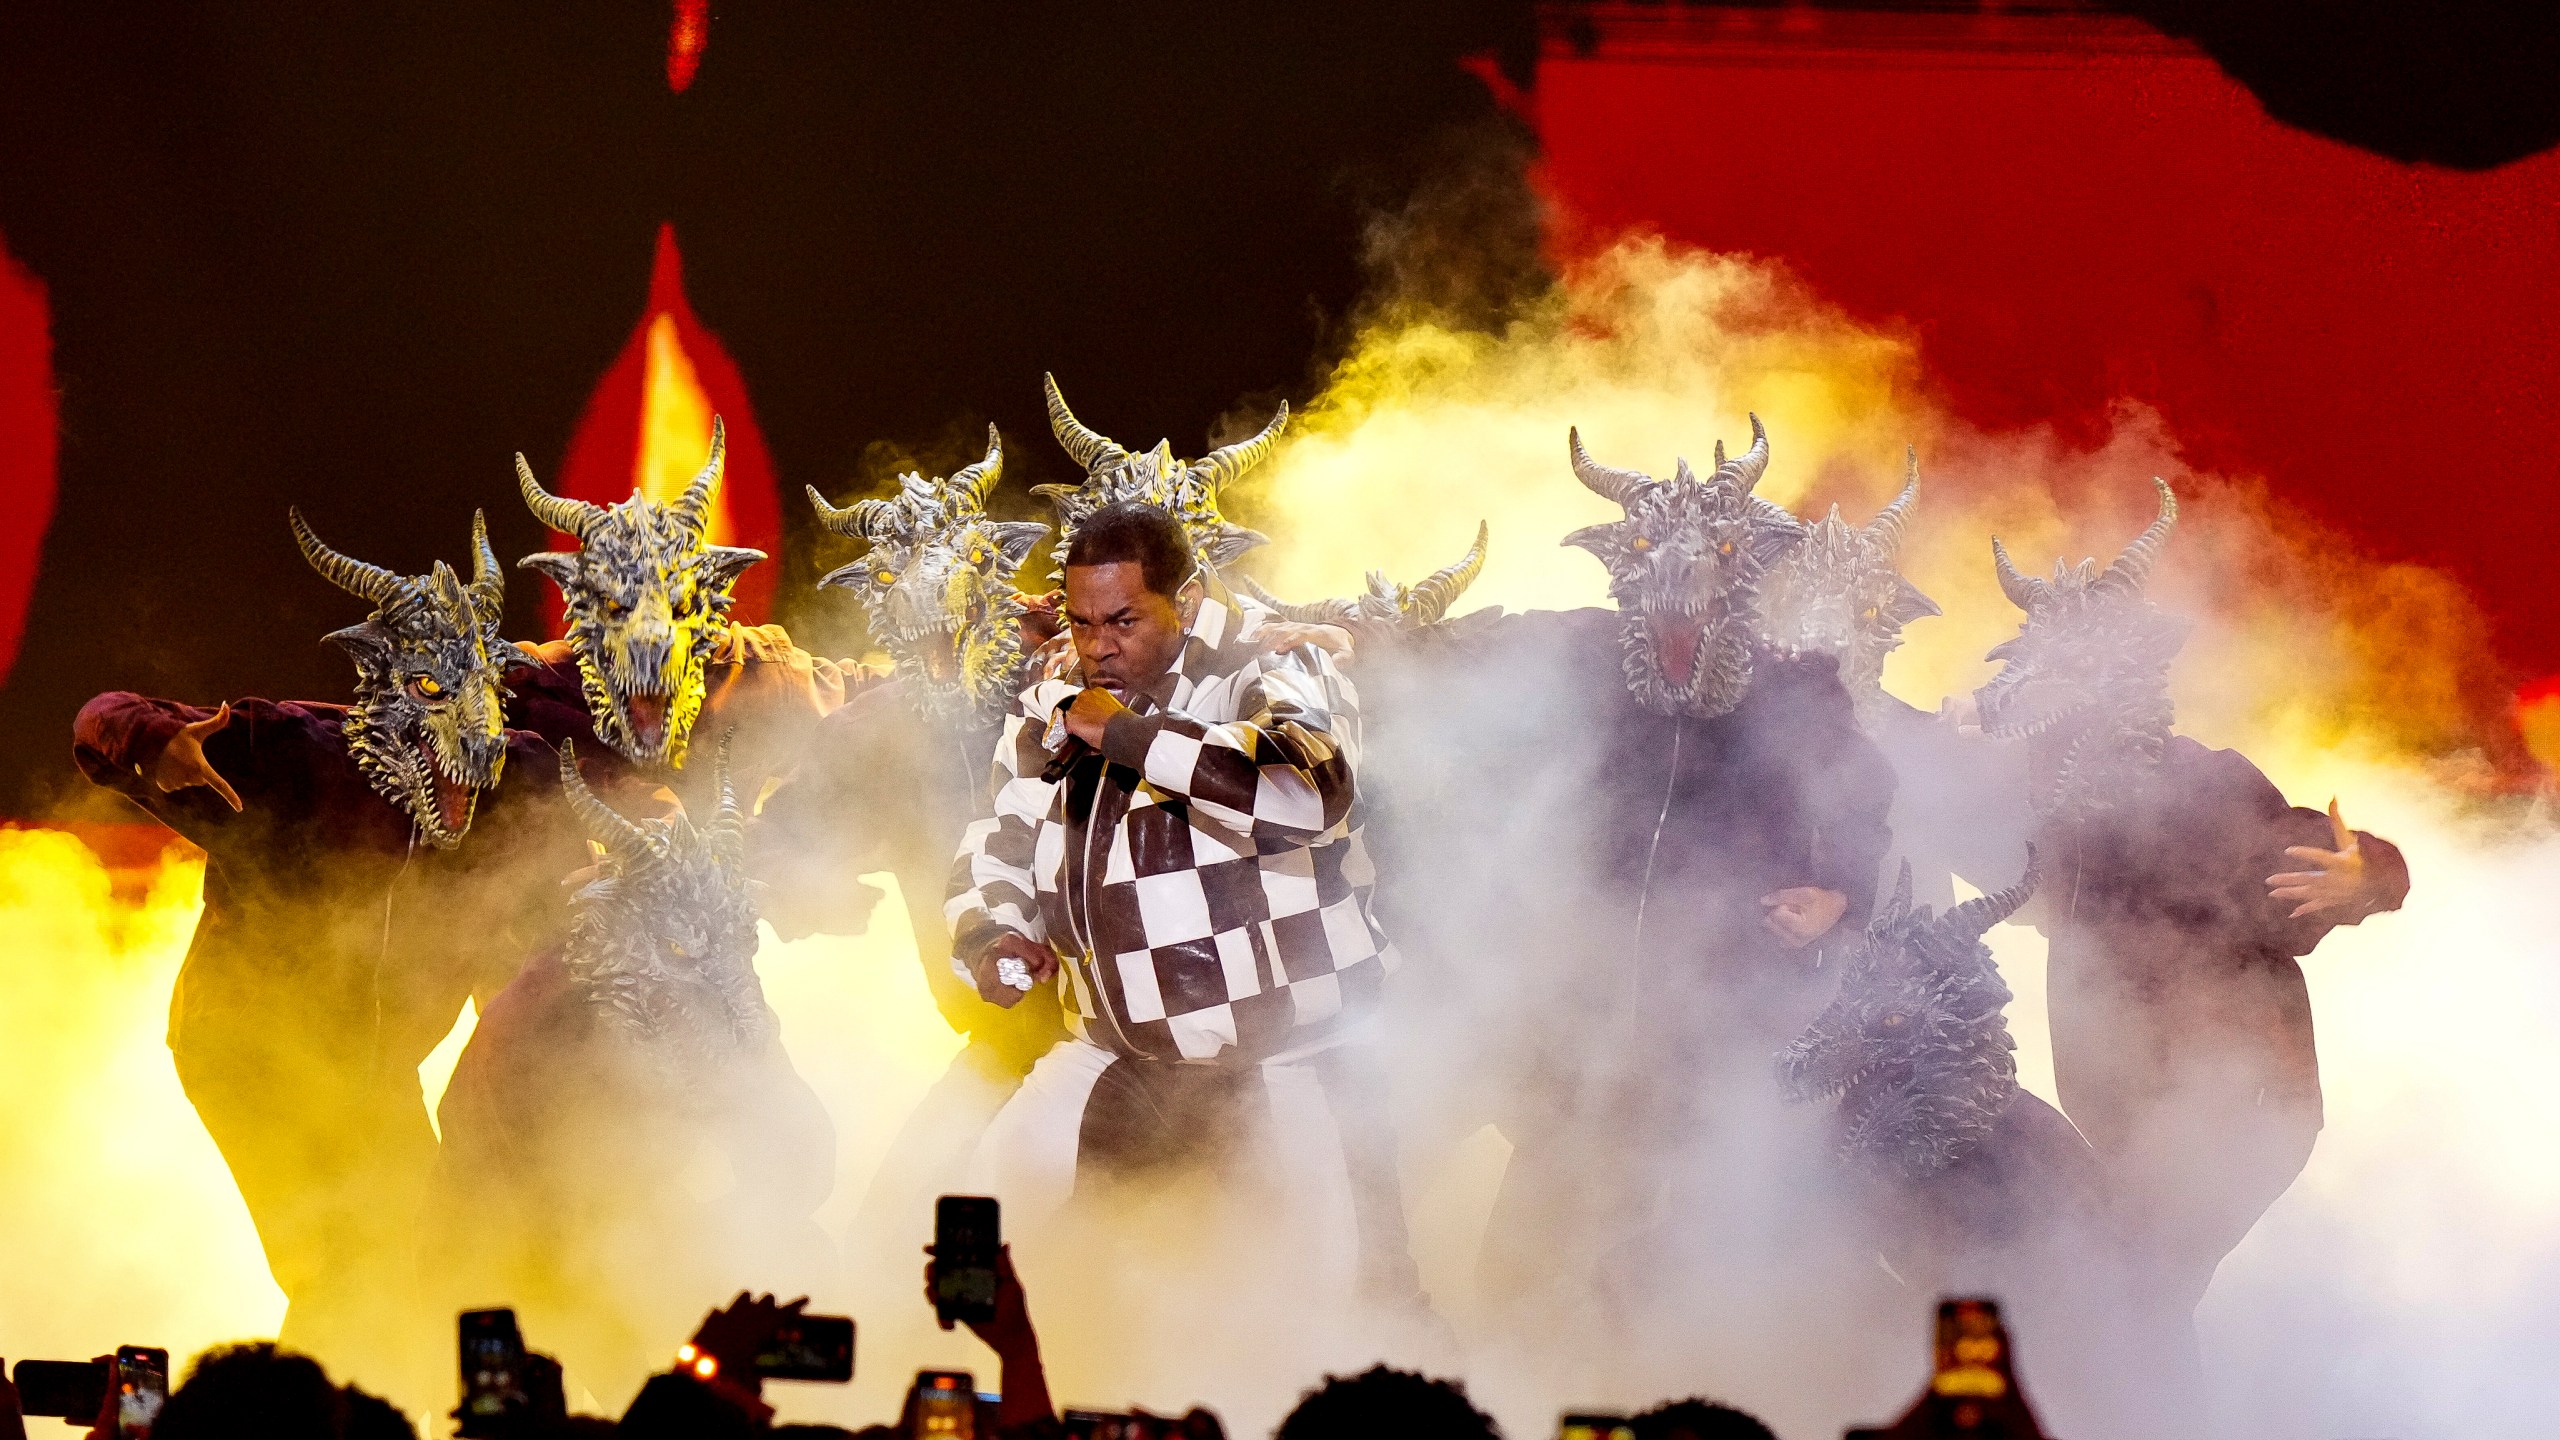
(253, 1391)
(1383, 1404)
(1698, 1419)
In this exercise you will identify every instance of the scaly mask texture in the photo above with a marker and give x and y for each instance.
(1837, 593)
(1387, 605)
(664, 944)
(937, 583)
(1187, 488)
(1685, 567)
(645, 599)
(1915, 1048)
(2086, 680)
(427, 728)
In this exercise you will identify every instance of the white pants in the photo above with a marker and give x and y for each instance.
(1030, 1156)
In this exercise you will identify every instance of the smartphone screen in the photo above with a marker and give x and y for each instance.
(965, 1241)
(1970, 1356)
(66, 1389)
(809, 1347)
(1594, 1427)
(492, 1354)
(142, 1387)
(946, 1406)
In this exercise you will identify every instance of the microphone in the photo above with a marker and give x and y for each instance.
(1065, 748)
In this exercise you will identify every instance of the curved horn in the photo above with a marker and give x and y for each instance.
(488, 582)
(2023, 590)
(728, 822)
(1744, 470)
(1970, 919)
(604, 824)
(569, 517)
(1228, 462)
(2133, 567)
(1619, 485)
(366, 582)
(853, 521)
(694, 505)
(1886, 529)
(1087, 447)
(975, 483)
(1433, 594)
(1312, 612)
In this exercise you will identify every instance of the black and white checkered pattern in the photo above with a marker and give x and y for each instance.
(1204, 876)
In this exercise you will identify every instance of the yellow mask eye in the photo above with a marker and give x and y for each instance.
(1726, 547)
(978, 556)
(885, 577)
(1641, 544)
(428, 687)
(1893, 1022)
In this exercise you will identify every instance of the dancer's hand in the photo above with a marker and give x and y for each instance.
(1801, 914)
(182, 764)
(985, 971)
(1281, 636)
(2336, 879)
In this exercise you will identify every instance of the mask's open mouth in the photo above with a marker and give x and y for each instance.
(1677, 639)
(939, 654)
(648, 717)
(452, 797)
(2007, 719)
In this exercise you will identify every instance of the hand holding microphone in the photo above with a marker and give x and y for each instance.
(1075, 729)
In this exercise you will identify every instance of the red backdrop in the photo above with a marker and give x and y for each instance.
(2068, 210)
(605, 446)
(27, 443)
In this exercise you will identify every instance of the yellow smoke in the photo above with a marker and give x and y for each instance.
(122, 1224)
(2338, 673)
(2425, 1212)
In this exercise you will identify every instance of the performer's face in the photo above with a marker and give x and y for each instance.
(1126, 634)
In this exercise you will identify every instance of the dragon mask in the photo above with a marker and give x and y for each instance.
(1837, 593)
(663, 945)
(1187, 488)
(645, 599)
(2085, 682)
(937, 583)
(1685, 568)
(426, 729)
(1914, 1050)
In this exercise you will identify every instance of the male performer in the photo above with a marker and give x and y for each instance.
(1176, 834)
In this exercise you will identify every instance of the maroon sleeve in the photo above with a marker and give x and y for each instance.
(543, 696)
(117, 735)
(2252, 807)
(270, 753)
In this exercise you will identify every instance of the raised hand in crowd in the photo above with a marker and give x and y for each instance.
(1024, 1383)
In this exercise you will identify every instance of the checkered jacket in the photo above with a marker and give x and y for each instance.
(1203, 876)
